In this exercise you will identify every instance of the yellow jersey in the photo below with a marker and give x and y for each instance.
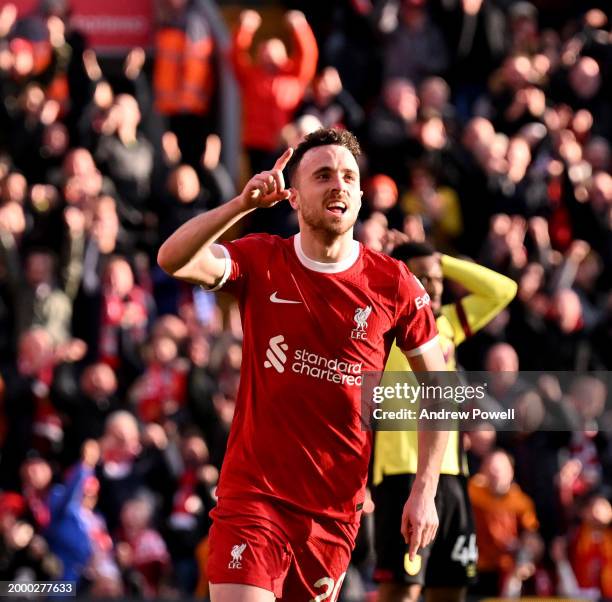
(396, 452)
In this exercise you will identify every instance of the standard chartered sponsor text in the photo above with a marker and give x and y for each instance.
(332, 370)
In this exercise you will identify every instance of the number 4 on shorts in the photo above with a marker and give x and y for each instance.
(465, 554)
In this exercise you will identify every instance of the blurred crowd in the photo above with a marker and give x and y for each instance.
(487, 130)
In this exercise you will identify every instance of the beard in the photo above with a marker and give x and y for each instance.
(327, 225)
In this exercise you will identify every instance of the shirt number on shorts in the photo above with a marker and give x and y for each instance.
(464, 554)
(332, 590)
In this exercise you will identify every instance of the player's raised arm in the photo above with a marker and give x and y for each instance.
(189, 254)
(420, 518)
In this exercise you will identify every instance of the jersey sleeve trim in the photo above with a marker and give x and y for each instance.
(422, 348)
(226, 271)
(463, 319)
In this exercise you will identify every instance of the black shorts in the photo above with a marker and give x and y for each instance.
(450, 561)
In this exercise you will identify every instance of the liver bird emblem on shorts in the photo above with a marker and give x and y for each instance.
(236, 561)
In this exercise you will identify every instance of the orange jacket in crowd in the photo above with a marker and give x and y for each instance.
(499, 522)
(269, 100)
(591, 558)
(183, 77)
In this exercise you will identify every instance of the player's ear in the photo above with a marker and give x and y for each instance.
(293, 198)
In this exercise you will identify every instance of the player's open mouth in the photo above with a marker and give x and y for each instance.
(337, 207)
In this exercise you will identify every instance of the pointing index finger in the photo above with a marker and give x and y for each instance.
(282, 161)
(415, 543)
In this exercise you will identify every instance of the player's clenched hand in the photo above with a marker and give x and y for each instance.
(268, 187)
(419, 521)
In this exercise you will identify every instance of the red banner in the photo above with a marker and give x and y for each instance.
(114, 25)
(24, 7)
(111, 26)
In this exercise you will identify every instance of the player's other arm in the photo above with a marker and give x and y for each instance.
(420, 518)
(489, 293)
(189, 254)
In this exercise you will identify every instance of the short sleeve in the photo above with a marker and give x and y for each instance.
(416, 326)
(242, 257)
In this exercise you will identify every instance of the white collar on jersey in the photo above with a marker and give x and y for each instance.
(320, 266)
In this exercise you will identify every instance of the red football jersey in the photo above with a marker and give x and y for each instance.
(310, 330)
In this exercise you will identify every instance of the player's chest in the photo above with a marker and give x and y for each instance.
(340, 313)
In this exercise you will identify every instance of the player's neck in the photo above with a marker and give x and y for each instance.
(330, 250)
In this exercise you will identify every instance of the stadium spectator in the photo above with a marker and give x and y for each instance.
(37, 300)
(82, 182)
(437, 205)
(77, 534)
(160, 393)
(331, 103)
(478, 444)
(123, 321)
(530, 575)
(475, 31)
(24, 554)
(201, 388)
(381, 195)
(373, 232)
(591, 546)
(184, 78)
(587, 396)
(434, 99)
(294, 132)
(414, 45)
(88, 397)
(141, 551)
(502, 513)
(130, 466)
(184, 199)
(188, 521)
(32, 419)
(36, 476)
(581, 88)
(125, 156)
(274, 85)
(392, 132)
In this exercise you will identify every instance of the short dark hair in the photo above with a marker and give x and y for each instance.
(412, 250)
(323, 137)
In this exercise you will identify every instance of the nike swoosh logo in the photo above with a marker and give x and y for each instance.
(276, 299)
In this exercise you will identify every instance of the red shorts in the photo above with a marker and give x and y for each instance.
(295, 556)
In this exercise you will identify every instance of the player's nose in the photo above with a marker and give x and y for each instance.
(337, 182)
